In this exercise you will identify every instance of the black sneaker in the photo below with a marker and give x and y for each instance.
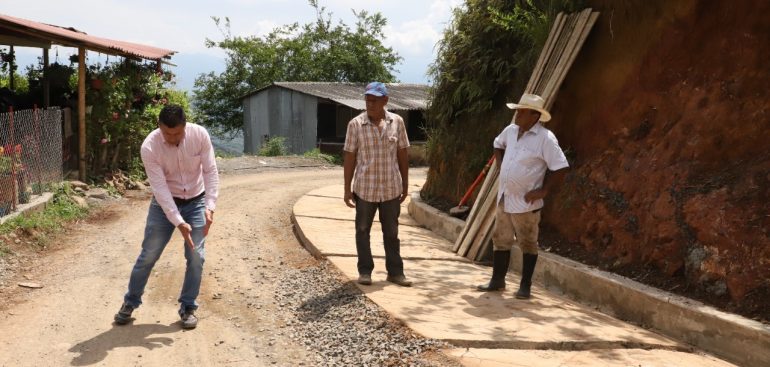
(189, 321)
(124, 315)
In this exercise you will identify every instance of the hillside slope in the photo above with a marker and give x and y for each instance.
(665, 115)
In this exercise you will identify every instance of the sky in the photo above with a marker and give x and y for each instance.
(414, 27)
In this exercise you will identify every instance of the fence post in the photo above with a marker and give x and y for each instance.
(39, 169)
(82, 113)
(12, 140)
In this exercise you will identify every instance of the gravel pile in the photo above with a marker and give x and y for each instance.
(4, 270)
(341, 326)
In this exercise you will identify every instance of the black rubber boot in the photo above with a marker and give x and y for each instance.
(500, 262)
(527, 268)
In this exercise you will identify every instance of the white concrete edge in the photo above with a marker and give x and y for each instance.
(433, 219)
(733, 337)
(37, 202)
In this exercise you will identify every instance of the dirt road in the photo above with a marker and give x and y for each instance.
(69, 321)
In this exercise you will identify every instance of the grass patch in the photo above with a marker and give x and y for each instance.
(331, 158)
(40, 225)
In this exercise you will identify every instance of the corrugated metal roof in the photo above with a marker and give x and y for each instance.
(71, 37)
(400, 96)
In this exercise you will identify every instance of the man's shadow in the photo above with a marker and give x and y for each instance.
(95, 349)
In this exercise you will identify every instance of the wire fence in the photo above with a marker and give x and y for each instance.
(30, 155)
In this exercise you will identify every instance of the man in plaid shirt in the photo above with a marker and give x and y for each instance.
(376, 156)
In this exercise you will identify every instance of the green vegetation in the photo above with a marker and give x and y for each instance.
(331, 158)
(126, 99)
(136, 170)
(41, 225)
(275, 146)
(483, 61)
(20, 83)
(317, 51)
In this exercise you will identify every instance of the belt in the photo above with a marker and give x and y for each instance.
(179, 201)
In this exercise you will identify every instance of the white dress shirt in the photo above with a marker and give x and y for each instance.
(525, 163)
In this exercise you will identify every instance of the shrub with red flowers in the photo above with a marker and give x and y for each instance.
(125, 99)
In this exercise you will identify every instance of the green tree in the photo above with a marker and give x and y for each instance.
(322, 50)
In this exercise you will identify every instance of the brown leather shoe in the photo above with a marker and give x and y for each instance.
(365, 279)
(399, 279)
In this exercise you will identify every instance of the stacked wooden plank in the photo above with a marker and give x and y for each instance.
(565, 39)
(479, 212)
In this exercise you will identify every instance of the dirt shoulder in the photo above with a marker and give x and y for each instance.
(244, 318)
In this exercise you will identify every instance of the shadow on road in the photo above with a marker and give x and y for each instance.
(95, 349)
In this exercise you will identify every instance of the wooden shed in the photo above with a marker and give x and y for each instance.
(316, 114)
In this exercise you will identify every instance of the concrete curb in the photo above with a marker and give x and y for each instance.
(735, 338)
(433, 219)
(303, 239)
(38, 202)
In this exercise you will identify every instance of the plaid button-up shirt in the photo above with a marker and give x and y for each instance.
(377, 177)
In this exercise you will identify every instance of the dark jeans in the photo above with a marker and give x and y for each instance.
(389, 212)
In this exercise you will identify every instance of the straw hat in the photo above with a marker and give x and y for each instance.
(531, 102)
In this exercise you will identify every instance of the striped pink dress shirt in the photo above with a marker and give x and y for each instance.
(184, 171)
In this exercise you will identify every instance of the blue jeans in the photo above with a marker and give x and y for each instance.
(157, 234)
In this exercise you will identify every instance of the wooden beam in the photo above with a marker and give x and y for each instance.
(583, 34)
(476, 205)
(9, 40)
(484, 245)
(545, 53)
(46, 82)
(82, 113)
(487, 223)
(473, 231)
(555, 57)
(565, 60)
(549, 62)
(11, 67)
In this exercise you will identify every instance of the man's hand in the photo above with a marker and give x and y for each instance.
(349, 200)
(209, 221)
(404, 194)
(186, 231)
(535, 195)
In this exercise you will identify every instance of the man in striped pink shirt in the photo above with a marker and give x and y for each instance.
(377, 165)
(179, 160)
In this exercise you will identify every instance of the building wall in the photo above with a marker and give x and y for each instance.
(280, 112)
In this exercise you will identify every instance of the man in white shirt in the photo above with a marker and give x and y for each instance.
(524, 151)
(179, 160)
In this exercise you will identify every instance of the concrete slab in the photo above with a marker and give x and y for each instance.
(332, 237)
(473, 357)
(336, 191)
(730, 336)
(317, 206)
(442, 304)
